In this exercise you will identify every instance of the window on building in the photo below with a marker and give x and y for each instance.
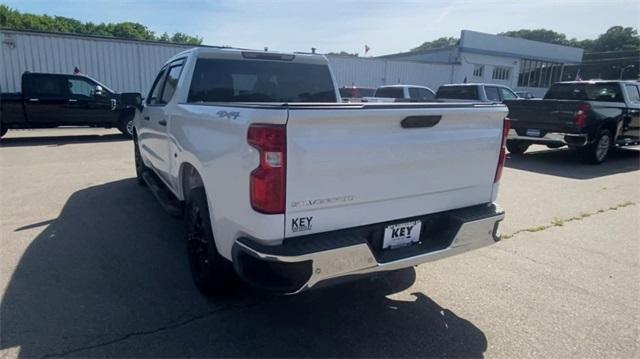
(535, 73)
(478, 71)
(501, 73)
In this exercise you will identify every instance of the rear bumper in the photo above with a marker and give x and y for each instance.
(301, 263)
(555, 138)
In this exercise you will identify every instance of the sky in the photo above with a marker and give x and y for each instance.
(333, 26)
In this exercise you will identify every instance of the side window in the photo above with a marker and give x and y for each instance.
(634, 93)
(492, 93)
(156, 89)
(171, 83)
(46, 86)
(80, 87)
(426, 94)
(507, 94)
(414, 93)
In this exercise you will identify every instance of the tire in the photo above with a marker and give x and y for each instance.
(597, 152)
(517, 147)
(211, 273)
(140, 167)
(126, 126)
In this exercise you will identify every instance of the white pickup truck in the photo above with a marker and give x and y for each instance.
(282, 185)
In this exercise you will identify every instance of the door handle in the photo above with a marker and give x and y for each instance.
(34, 99)
(420, 121)
(146, 118)
(73, 100)
(162, 123)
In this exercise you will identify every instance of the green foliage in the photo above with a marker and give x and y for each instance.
(616, 38)
(14, 19)
(343, 53)
(440, 42)
(542, 35)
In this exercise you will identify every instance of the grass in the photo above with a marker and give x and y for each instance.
(559, 222)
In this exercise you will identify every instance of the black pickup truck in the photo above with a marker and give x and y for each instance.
(53, 100)
(590, 116)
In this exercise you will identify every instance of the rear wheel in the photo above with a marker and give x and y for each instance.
(126, 126)
(517, 147)
(597, 152)
(212, 273)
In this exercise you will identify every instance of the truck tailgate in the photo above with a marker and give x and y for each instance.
(548, 115)
(357, 165)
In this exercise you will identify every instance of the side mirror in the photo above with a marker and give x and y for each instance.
(98, 90)
(132, 99)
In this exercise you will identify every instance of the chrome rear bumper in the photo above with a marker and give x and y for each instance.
(356, 257)
(572, 139)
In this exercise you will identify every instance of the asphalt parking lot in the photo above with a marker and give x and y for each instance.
(92, 266)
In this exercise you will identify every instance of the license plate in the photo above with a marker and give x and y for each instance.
(401, 234)
(533, 133)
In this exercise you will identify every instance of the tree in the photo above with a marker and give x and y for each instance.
(344, 53)
(13, 19)
(440, 42)
(542, 35)
(617, 38)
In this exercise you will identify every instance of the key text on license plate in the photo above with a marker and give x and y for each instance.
(401, 234)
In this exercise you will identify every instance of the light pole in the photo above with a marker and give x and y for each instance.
(623, 69)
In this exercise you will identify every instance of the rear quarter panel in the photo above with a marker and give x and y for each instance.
(212, 138)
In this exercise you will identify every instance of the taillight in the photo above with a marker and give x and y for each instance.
(268, 180)
(581, 114)
(506, 123)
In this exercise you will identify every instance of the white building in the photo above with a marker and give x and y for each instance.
(518, 63)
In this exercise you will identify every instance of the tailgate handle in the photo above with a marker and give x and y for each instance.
(420, 121)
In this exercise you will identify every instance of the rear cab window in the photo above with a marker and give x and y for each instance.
(605, 91)
(222, 80)
(390, 92)
(458, 92)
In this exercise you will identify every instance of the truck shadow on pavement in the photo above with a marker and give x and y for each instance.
(59, 140)
(109, 277)
(564, 163)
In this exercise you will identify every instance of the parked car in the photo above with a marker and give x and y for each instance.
(285, 187)
(589, 116)
(53, 100)
(525, 95)
(475, 92)
(401, 93)
(355, 94)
